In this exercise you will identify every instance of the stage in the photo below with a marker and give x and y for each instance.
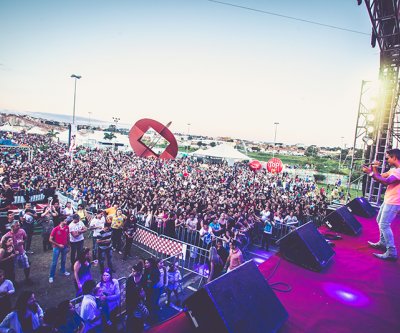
(355, 293)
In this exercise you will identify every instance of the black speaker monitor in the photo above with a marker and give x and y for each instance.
(361, 207)
(341, 220)
(305, 246)
(240, 301)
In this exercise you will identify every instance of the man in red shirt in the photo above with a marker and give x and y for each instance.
(59, 237)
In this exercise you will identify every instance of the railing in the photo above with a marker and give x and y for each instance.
(193, 258)
(32, 195)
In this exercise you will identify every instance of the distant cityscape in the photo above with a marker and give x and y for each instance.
(60, 123)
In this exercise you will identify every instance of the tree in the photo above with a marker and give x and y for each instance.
(312, 151)
(112, 128)
(52, 133)
(213, 144)
(109, 136)
(199, 143)
(255, 148)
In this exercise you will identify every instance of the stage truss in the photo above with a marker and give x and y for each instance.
(385, 135)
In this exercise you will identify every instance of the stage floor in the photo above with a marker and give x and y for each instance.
(355, 293)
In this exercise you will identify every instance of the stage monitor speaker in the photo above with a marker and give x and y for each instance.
(240, 301)
(341, 220)
(361, 207)
(305, 246)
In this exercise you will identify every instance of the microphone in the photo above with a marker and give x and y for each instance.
(371, 163)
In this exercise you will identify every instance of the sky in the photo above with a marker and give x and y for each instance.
(210, 68)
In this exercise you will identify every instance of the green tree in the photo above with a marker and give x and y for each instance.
(311, 151)
(213, 144)
(52, 133)
(109, 136)
(112, 128)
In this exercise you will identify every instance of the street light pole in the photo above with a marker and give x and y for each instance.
(276, 128)
(76, 77)
(187, 147)
(116, 120)
(72, 127)
(340, 154)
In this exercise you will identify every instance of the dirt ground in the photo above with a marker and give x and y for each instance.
(49, 295)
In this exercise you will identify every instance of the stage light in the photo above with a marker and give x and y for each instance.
(368, 141)
(370, 129)
(370, 117)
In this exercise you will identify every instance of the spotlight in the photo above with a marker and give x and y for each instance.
(371, 117)
(368, 141)
(370, 129)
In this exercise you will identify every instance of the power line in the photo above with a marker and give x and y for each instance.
(291, 17)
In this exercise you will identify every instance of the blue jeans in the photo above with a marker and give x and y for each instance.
(56, 253)
(387, 214)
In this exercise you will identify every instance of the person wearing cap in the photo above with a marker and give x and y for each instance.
(76, 239)
(59, 240)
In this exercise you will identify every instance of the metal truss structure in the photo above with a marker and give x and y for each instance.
(384, 118)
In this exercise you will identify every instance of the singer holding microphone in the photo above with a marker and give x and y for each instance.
(391, 203)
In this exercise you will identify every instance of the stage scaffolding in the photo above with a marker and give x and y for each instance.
(378, 126)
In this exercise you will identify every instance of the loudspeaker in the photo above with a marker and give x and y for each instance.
(341, 220)
(305, 246)
(361, 207)
(240, 301)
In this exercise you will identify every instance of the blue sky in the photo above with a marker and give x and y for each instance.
(227, 71)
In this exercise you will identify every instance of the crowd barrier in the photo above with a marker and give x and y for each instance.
(22, 196)
(192, 258)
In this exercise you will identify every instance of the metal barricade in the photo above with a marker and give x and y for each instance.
(194, 257)
(280, 230)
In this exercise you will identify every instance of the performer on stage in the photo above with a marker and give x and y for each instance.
(391, 203)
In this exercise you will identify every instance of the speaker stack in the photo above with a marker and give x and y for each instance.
(307, 247)
(341, 220)
(240, 301)
(361, 207)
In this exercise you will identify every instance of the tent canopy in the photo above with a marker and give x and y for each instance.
(223, 151)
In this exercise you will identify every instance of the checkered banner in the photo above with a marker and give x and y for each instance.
(159, 244)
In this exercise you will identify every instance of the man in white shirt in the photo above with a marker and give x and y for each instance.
(76, 239)
(90, 313)
(96, 225)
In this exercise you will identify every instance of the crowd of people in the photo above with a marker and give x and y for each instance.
(227, 206)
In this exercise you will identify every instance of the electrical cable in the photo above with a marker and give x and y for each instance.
(288, 287)
(291, 17)
(273, 285)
